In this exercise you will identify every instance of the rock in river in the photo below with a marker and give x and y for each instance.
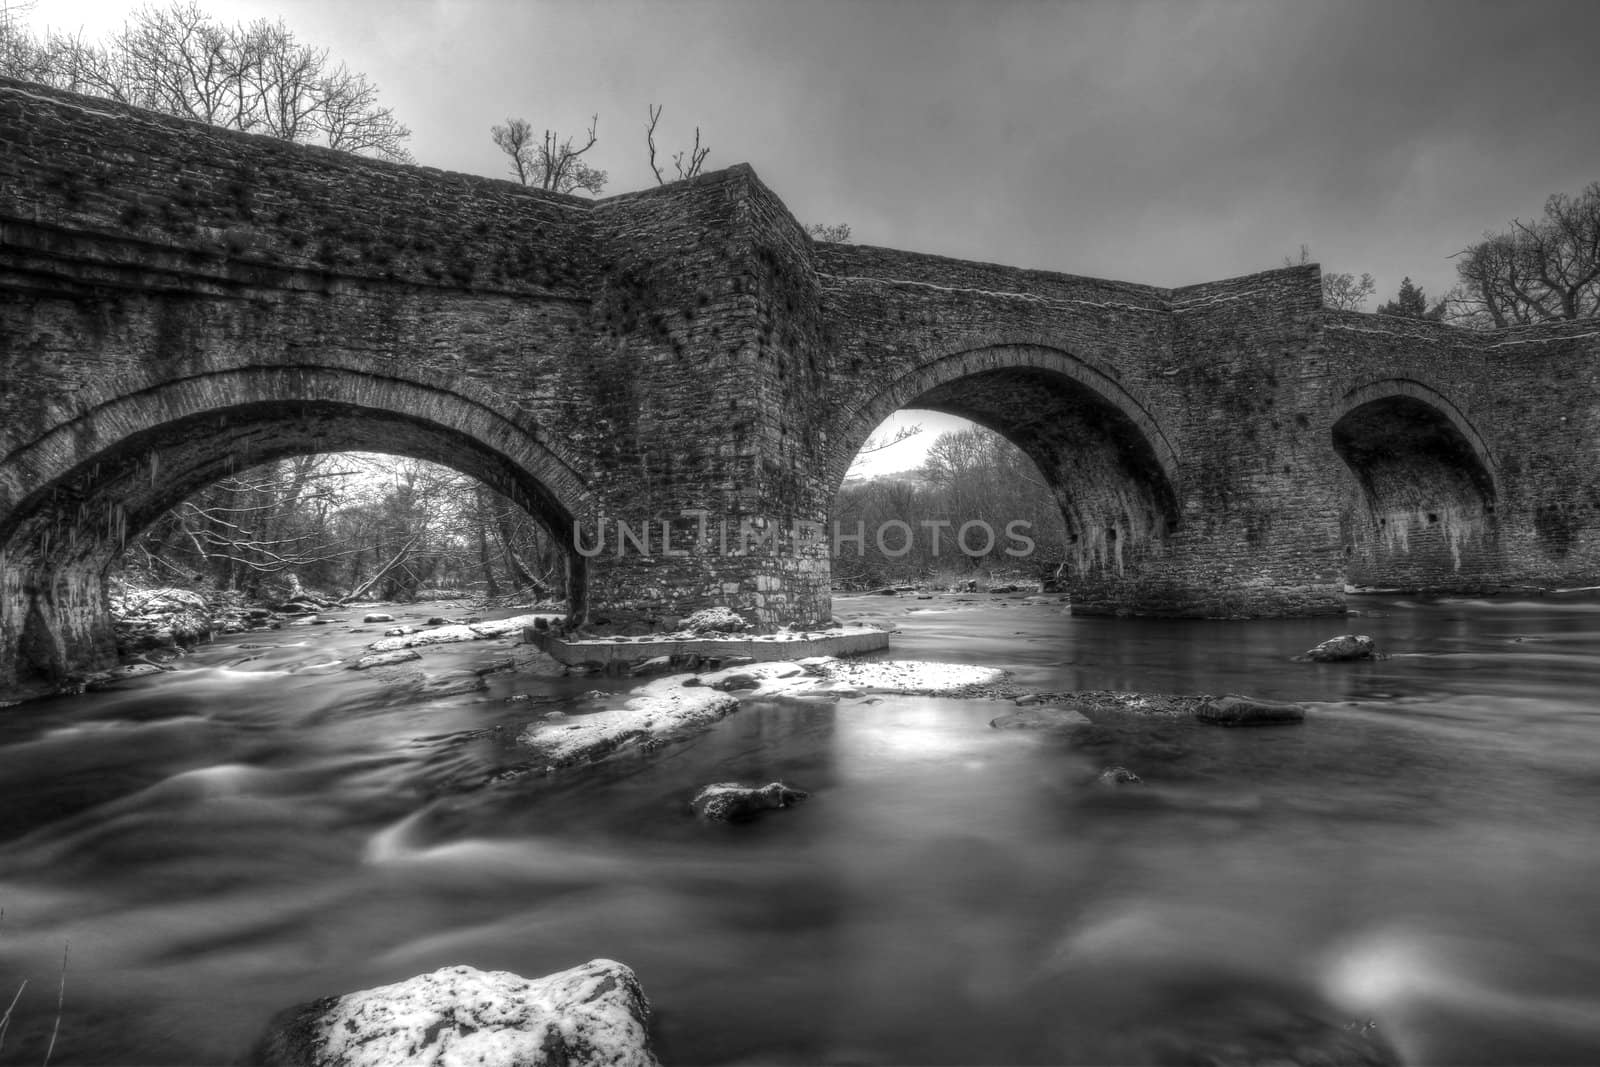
(470, 631)
(592, 1014)
(1248, 711)
(730, 801)
(734, 682)
(660, 712)
(1342, 648)
(384, 659)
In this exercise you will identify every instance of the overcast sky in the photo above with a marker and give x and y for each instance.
(1164, 142)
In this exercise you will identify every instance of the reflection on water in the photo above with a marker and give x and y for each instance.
(259, 829)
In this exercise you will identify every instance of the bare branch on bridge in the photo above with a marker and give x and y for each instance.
(549, 162)
(696, 155)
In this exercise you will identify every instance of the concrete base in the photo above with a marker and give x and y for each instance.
(614, 652)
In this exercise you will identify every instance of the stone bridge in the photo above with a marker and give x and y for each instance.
(179, 301)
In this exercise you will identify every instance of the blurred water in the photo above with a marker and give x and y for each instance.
(262, 828)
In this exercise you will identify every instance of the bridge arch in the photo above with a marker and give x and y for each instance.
(1427, 417)
(1428, 483)
(81, 491)
(1112, 468)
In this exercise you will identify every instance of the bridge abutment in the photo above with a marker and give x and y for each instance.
(55, 627)
(749, 566)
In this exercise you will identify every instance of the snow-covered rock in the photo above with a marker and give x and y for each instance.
(385, 659)
(663, 710)
(676, 705)
(592, 1014)
(911, 676)
(477, 631)
(715, 620)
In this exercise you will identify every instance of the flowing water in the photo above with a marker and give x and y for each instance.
(262, 827)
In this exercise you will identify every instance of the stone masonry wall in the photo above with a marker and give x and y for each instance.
(697, 326)
(178, 301)
(1528, 394)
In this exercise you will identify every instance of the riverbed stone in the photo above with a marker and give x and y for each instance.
(1248, 711)
(377, 616)
(732, 802)
(1341, 649)
(384, 659)
(145, 619)
(596, 1013)
(1118, 776)
(1041, 717)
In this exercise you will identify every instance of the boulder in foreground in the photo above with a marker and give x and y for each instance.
(592, 1014)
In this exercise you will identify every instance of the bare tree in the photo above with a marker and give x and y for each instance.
(282, 81)
(1339, 290)
(18, 52)
(257, 77)
(66, 62)
(547, 161)
(351, 120)
(686, 169)
(836, 233)
(1539, 271)
(1346, 291)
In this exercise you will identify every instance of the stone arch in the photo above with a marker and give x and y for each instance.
(1114, 471)
(1427, 483)
(1425, 405)
(77, 493)
(860, 420)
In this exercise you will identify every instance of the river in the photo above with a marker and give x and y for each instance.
(261, 827)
